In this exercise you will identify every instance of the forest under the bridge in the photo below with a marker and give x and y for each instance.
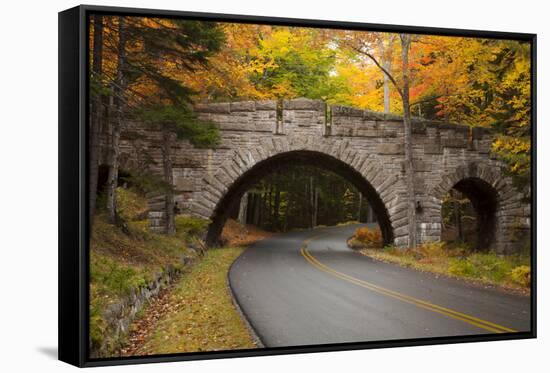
(154, 70)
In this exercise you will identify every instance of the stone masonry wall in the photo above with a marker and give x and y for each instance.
(371, 143)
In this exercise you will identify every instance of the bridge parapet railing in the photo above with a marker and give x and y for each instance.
(302, 116)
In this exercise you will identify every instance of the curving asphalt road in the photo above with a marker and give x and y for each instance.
(307, 287)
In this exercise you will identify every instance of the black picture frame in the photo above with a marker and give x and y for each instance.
(73, 202)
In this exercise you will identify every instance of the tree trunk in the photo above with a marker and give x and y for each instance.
(409, 167)
(261, 203)
(386, 88)
(276, 206)
(289, 200)
(116, 124)
(112, 178)
(287, 210)
(360, 205)
(460, 229)
(386, 64)
(371, 218)
(315, 207)
(95, 120)
(256, 199)
(311, 202)
(169, 213)
(269, 214)
(457, 215)
(243, 207)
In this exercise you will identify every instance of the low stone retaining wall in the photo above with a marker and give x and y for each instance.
(118, 316)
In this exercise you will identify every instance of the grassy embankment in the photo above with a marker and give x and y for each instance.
(199, 314)
(122, 261)
(511, 272)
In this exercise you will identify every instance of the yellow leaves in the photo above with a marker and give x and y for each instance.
(516, 167)
(203, 317)
(516, 153)
(458, 79)
(258, 66)
(511, 145)
(364, 87)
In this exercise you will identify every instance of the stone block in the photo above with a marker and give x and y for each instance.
(454, 143)
(266, 105)
(421, 166)
(434, 148)
(183, 184)
(346, 111)
(390, 149)
(220, 108)
(303, 104)
(246, 106)
(376, 116)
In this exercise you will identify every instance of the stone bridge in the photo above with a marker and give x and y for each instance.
(364, 147)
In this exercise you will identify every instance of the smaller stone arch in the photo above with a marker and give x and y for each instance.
(499, 206)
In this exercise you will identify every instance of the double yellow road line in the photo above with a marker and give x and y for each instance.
(483, 324)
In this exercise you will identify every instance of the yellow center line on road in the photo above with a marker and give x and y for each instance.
(483, 324)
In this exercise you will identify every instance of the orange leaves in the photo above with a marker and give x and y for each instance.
(467, 80)
(371, 238)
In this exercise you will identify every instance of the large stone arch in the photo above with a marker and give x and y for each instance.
(503, 215)
(385, 191)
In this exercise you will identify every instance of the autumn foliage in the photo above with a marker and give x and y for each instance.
(171, 64)
(367, 237)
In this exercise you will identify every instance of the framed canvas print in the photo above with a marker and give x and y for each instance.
(236, 186)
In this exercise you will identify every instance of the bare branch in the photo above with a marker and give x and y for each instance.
(386, 72)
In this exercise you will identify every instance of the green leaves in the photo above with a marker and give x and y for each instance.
(183, 122)
(201, 134)
(145, 182)
(161, 49)
(295, 63)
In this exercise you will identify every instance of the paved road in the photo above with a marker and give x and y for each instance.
(307, 287)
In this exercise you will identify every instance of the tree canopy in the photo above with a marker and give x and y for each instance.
(171, 64)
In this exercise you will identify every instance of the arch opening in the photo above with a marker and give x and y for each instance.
(278, 163)
(469, 213)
